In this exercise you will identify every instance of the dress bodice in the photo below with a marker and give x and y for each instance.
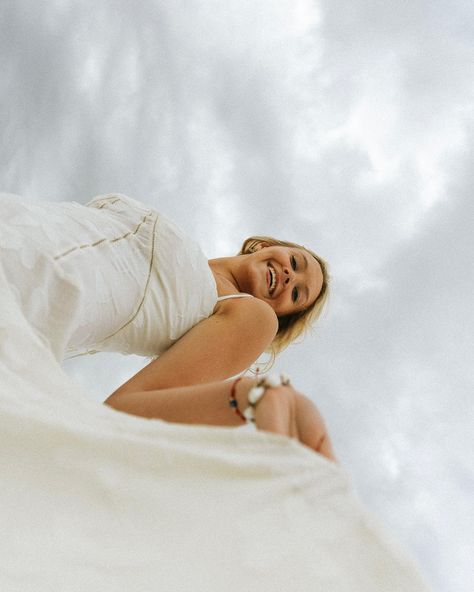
(154, 283)
(110, 276)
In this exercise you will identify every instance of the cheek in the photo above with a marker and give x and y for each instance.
(284, 305)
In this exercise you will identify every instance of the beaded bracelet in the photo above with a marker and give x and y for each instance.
(233, 404)
(255, 394)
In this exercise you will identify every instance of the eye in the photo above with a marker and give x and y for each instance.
(293, 262)
(294, 294)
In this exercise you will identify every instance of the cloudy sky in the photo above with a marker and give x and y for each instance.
(346, 126)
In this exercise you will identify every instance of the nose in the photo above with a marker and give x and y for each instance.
(287, 275)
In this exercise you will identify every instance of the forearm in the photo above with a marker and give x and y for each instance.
(200, 404)
(281, 410)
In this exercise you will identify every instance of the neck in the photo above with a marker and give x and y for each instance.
(225, 270)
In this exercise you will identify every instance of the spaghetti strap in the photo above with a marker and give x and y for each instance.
(242, 295)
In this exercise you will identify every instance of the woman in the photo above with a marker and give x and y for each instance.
(99, 498)
(117, 276)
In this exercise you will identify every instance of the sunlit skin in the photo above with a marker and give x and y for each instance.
(288, 279)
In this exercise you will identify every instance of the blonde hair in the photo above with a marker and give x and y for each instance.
(291, 326)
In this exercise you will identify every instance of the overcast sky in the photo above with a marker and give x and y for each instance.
(346, 126)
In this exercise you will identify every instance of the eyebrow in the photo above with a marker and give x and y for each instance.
(305, 261)
(304, 269)
(307, 295)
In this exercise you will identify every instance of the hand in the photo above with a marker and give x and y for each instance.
(284, 411)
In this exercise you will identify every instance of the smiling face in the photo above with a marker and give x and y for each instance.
(288, 278)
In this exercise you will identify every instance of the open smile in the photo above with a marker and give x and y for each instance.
(272, 279)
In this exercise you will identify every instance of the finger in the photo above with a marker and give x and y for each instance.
(312, 428)
(325, 448)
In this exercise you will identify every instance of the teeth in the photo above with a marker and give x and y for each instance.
(272, 279)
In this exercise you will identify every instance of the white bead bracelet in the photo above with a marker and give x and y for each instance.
(257, 392)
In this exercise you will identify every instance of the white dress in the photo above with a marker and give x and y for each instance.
(94, 499)
(110, 276)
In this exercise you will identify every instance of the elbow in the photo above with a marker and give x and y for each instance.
(120, 402)
(117, 399)
(111, 401)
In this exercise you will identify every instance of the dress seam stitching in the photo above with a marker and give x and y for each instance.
(145, 291)
(103, 240)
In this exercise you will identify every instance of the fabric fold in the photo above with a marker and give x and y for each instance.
(94, 499)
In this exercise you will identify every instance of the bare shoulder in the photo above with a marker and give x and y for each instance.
(250, 310)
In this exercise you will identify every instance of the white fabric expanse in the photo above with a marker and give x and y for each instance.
(93, 499)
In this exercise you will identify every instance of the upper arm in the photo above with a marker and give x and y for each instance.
(218, 347)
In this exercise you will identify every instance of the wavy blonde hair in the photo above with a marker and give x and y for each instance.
(291, 326)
